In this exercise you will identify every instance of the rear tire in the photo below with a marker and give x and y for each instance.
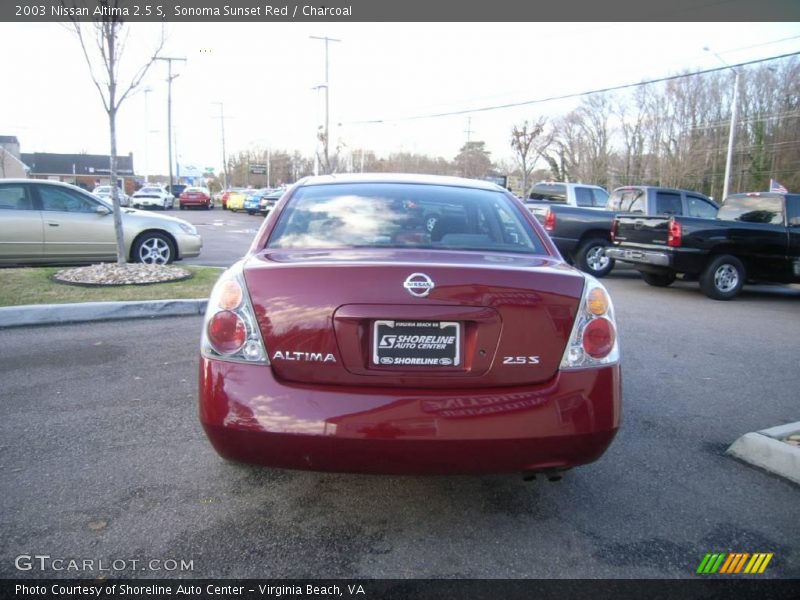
(182, 207)
(658, 279)
(590, 258)
(723, 278)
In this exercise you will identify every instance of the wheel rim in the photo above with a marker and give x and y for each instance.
(726, 278)
(154, 251)
(596, 258)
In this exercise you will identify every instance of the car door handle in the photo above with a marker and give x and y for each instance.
(52, 224)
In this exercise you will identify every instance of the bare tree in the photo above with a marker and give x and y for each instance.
(103, 44)
(528, 147)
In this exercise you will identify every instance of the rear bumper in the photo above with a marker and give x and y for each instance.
(646, 257)
(194, 202)
(250, 416)
(148, 202)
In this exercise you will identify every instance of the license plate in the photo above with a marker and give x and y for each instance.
(416, 343)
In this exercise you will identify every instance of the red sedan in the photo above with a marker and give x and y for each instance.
(195, 196)
(353, 338)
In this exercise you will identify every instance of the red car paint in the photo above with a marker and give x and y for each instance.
(194, 198)
(322, 403)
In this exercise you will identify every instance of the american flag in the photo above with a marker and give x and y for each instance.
(775, 186)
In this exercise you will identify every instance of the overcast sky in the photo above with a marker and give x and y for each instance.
(264, 73)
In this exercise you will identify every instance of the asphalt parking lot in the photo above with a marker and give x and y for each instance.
(226, 235)
(102, 458)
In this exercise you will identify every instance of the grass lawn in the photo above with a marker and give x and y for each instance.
(33, 286)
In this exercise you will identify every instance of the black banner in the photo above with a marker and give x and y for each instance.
(395, 11)
(388, 589)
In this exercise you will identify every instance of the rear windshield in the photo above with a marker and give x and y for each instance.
(627, 200)
(753, 209)
(392, 215)
(550, 192)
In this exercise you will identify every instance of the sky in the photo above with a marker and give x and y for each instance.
(265, 75)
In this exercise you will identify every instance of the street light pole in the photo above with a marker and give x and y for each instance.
(327, 98)
(224, 159)
(732, 129)
(729, 159)
(169, 111)
(147, 90)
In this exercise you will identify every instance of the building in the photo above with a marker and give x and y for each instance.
(11, 164)
(84, 170)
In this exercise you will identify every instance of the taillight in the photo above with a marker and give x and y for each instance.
(227, 332)
(549, 220)
(598, 338)
(674, 233)
(593, 340)
(230, 331)
(614, 230)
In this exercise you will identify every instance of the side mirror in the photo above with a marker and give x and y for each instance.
(102, 210)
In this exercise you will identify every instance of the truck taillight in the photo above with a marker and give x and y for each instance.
(549, 220)
(674, 234)
(614, 230)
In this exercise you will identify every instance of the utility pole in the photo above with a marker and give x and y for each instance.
(170, 77)
(327, 99)
(467, 160)
(224, 159)
(732, 130)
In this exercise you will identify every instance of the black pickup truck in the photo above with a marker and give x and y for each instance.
(583, 234)
(755, 237)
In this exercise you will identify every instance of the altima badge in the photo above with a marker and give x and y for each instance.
(418, 285)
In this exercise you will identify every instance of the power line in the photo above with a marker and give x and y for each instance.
(573, 95)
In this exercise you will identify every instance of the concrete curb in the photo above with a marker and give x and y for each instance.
(765, 449)
(53, 314)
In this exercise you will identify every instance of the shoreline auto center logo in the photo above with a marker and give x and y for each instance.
(733, 563)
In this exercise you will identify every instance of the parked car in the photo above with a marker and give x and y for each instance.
(52, 222)
(582, 234)
(269, 200)
(104, 191)
(754, 237)
(350, 338)
(235, 201)
(195, 196)
(252, 200)
(152, 196)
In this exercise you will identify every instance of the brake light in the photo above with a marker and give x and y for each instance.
(549, 220)
(227, 332)
(231, 331)
(598, 338)
(614, 230)
(593, 340)
(674, 234)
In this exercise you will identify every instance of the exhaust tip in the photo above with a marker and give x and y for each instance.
(550, 474)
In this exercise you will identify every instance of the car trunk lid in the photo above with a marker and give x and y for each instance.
(329, 316)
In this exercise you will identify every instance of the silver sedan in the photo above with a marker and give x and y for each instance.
(52, 222)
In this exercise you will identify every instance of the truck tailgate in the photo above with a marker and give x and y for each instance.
(641, 230)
